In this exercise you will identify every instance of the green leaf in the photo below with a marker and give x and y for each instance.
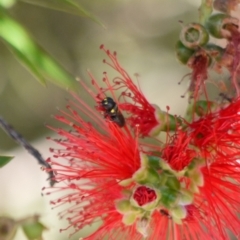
(37, 60)
(33, 230)
(4, 160)
(68, 6)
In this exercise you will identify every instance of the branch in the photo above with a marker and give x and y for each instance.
(18, 138)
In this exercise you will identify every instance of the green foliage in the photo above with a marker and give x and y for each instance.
(65, 6)
(38, 61)
(27, 50)
(4, 160)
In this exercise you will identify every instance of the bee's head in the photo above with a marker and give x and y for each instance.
(108, 104)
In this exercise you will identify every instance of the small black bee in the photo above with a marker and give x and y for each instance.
(112, 111)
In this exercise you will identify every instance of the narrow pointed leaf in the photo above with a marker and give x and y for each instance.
(30, 54)
(4, 160)
(68, 6)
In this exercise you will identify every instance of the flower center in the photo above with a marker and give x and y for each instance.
(144, 195)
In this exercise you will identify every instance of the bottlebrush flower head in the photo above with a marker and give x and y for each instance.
(218, 130)
(218, 198)
(134, 195)
(185, 188)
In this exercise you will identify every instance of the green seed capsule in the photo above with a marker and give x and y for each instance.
(194, 35)
(183, 53)
(217, 25)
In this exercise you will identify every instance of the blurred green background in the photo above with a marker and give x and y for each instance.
(142, 32)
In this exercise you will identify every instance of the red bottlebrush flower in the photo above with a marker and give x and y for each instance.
(215, 206)
(219, 197)
(111, 182)
(178, 152)
(217, 137)
(218, 132)
(191, 228)
(189, 189)
(144, 195)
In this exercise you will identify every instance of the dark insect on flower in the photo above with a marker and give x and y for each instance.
(112, 111)
(165, 213)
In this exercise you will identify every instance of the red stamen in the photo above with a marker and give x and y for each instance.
(144, 195)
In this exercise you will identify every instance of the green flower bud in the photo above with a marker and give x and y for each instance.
(168, 196)
(126, 182)
(217, 25)
(177, 220)
(185, 198)
(197, 177)
(194, 35)
(196, 163)
(154, 162)
(178, 212)
(183, 53)
(173, 183)
(123, 206)
(193, 187)
(130, 218)
(166, 121)
(144, 160)
(146, 175)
